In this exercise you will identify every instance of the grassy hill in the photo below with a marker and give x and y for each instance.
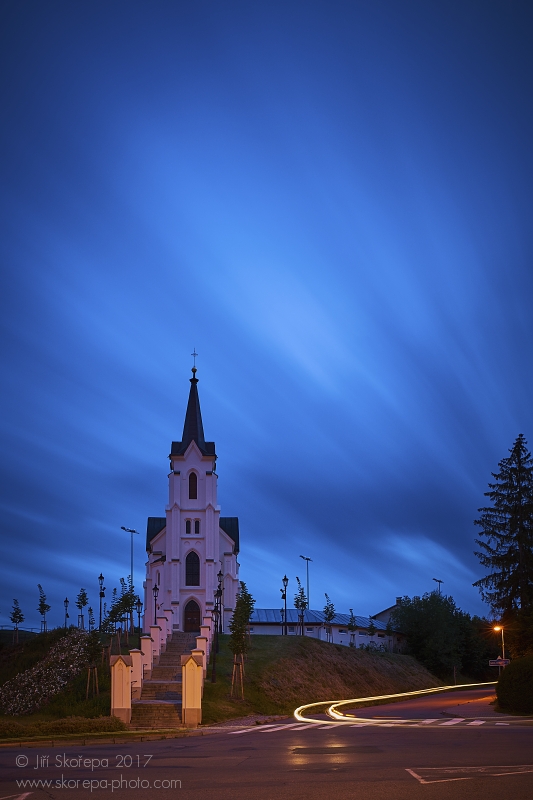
(283, 672)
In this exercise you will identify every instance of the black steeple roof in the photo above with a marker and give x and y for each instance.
(193, 430)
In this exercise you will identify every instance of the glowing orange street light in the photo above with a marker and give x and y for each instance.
(499, 628)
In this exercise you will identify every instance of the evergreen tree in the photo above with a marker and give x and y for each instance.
(300, 604)
(16, 618)
(329, 615)
(43, 608)
(507, 526)
(240, 621)
(81, 602)
(352, 627)
(371, 626)
(91, 618)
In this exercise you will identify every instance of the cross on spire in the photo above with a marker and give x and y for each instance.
(194, 354)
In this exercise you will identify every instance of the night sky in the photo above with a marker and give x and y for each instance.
(332, 202)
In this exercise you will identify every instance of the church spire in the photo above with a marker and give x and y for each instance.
(193, 430)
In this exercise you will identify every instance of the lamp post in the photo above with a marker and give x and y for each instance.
(220, 577)
(285, 582)
(139, 608)
(155, 592)
(132, 531)
(218, 596)
(499, 628)
(437, 580)
(307, 560)
(102, 595)
(65, 603)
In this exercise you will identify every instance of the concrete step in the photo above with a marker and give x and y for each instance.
(150, 714)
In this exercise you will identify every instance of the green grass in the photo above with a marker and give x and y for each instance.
(283, 672)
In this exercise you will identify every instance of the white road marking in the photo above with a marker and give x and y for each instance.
(428, 721)
(477, 722)
(466, 773)
(453, 721)
(501, 723)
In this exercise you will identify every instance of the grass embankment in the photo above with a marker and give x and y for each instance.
(283, 672)
(68, 711)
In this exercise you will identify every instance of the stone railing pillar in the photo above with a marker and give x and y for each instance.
(169, 616)
(205, 633)
(155, 635)
(121, 687)
(191, 689)
(163, 625)
(136, 674)
(201, 647)
(146, 656)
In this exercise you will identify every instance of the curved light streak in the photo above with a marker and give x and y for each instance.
(340, 718)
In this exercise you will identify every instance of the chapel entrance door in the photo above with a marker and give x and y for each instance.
(192, 617)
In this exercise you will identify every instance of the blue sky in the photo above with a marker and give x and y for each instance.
(332, 203)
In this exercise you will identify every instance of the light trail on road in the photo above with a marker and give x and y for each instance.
(338, 718)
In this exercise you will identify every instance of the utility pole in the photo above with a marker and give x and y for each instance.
(437, 580)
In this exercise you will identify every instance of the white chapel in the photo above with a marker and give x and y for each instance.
(192, 547)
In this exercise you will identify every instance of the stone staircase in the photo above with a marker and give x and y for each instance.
(160, 703)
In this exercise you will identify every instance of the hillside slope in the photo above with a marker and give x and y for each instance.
(283, 672)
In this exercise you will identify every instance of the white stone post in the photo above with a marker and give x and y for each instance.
(168, 615)
(136, 674)
(146, 656)
(163, 625)
(205, 633)
(191, 689)
(121, 687)
(201, 647)
(155, 634)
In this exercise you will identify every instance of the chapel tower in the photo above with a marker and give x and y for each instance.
(192, 545)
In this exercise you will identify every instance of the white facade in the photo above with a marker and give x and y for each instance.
(192, 544)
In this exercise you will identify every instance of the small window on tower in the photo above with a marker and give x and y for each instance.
(197, 526)
(187, 526)
(193, 486)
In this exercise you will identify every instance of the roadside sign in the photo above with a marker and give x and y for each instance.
(499, 662)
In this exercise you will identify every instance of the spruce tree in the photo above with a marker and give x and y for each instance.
(329, 616)
(507, 526)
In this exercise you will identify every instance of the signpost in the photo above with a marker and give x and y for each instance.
(499, 662)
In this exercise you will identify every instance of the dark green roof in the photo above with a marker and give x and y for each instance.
(154, 526)
(230, 525)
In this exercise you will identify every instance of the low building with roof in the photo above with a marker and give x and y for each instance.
(368, 631)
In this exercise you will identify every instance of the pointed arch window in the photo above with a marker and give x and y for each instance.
(187, 526)
(192, 569)
(197, 526)
(193, 486)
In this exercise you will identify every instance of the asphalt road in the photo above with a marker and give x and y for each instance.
(402, 761)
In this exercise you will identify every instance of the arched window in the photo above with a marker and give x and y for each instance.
(192, 569)
(158, 579)
(187, 526)
(193, 486)
(197, 526)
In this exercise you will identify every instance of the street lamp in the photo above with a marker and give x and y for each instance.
(218, 597)
(307, 560)
(499, 628)
(65, 603)
(220, 577)
(285, 582)
(132, 531)
(437, 580)
(139, 607)
(155, 591)
(102, 595)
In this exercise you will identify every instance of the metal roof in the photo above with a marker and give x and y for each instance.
(154, 526)
(230, 525)
(273, 616)
(193, 429)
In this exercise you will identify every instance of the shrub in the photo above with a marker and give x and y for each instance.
(514, 689)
